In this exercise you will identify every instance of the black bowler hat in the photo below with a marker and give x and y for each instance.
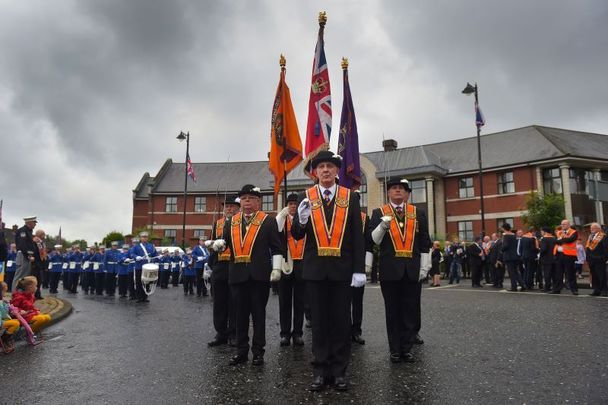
(399, 182)
(326, 156)
(251, 190)
(292, 197)
(232, 200)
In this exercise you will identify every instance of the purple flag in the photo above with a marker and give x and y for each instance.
(480, 121)
(348, 140)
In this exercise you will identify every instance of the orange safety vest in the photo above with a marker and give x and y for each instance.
(296, 247)
(243, 246)
(219, 231)
(568, 249)
(329, 240)
(592, 243)
(402, 230)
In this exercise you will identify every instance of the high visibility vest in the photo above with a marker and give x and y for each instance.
(568, 249)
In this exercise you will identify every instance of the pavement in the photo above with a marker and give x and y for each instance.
(481, 346)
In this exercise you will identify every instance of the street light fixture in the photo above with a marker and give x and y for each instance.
(468, 90)
(181, 137)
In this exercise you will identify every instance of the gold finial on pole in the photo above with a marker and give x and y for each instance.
(282, 62)
(322, 18)
(344, 63)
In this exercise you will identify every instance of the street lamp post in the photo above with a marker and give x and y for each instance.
(468, 90)
(181, 137)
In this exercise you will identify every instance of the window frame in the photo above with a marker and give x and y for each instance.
(200, 203)
(171, 204)
(463, 234)
(267, 199)
(504, 184)
(468, 189)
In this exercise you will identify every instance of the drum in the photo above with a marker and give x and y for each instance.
(149, 273)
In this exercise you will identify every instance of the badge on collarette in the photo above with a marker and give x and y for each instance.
(411, 215)
(236, 222)
(315, 204)
(341, 202)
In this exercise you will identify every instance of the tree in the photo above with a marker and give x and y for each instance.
(80, 242)
(544, 210)
(113, 236)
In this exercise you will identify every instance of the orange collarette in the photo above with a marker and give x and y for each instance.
(402, 233)
(296, 247)
(219, 232)
(243, 247)
(329, 241)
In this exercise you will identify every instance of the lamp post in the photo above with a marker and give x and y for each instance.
(468, 90)
(181, 137)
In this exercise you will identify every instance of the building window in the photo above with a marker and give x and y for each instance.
(200, 204)
(171, 234)
(465, 230)
(268, 202)
(418, 194)
(171, 204)
(199, 233)
(500, 221)
(579, 180)
(506, 184)
(465, 187)
(552, 181)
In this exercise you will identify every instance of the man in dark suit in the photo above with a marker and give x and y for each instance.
(547, 257)
(597, 255)
(511, 258)
(401, 231)
(255, 260)
(496, 263)
(329, 216)
(476, 258)
(529, 250)
(224, 312)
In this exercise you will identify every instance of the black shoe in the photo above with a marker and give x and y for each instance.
(258, 360)
(594, 294)
(418, 340)
(341, 384)
(358, 339)
(395, 358)
(238, 359)
(513, 290)
(298, 341)
(217, 342)
(555, 292)
(408, 357)
(317, 384)
(198, 295)
(574, 292)
(284, 341)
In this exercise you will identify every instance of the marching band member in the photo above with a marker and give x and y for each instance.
(131, 270)
(75, 260)
(224, 308)
(188, 272)
(256, 260)
(56, 261)
(200, 254)
(143, 252)
(110, 267)
(88, 277)
(165, 269)
(124, 261)
(175, 261)
(329, 216)
(401, 231)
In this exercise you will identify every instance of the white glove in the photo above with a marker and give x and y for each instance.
(378, 233)
(304, 211)
(219, 245)
(425, 261)
(199, 259)
(275, 276)
(208, 243)
(287, 267)
(423, 274)
(386, 221)
(207, 274)
(277, 266)
(139, 258)
(359, 280)
(369, 258)
(281, 217)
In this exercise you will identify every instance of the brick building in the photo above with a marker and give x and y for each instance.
(443, 176)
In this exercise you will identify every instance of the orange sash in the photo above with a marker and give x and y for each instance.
(296, 247)
(592, 243)
(402, 233)
(243, 246)
(219, 231)
(329, 241)
(363, 219)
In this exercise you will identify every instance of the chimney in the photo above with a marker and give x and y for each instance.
(389, 145)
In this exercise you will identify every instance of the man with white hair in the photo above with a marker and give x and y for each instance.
(597, 255)
(566, 256)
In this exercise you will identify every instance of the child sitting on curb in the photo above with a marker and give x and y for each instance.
(8, 326)
(23, 299)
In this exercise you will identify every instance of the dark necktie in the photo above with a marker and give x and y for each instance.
(326, 194)
(399, 210)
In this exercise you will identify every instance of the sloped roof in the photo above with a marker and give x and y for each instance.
(141, 190)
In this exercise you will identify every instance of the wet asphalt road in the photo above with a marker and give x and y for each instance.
(482, 346)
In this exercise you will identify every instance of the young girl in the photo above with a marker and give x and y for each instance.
(188, 273)
(23, 298)
(8, 326)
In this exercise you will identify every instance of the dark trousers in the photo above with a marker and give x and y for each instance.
(110, 283)
(8, 279)
(330, 310)
(291, 302)
(88, 281)
(140, 293)
(548, 269)
(514, 275)
(598, 276)
(529, 272)
(356, 311)
(476, 274)
(224, 311)
(189, 282)
(499, 275)
(175, 278)
(65, 278)
(201, 288)
(251, 298)
(100, 279)
(73, 281)
(418, 313)
(164, 279)
(487, 271)
(54, 282)
(564, 265)
(123, 284)
(401, 303)
(46, 277)
(131, 284)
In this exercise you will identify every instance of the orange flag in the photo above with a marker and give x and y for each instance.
(285, 142)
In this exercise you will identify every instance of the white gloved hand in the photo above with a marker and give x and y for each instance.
(139, 258)
(304, 211)
(277, 267)
(275, 275)
(369, 258)
(219, 245)
(359, 280)
(199, 259)
(386, 221)
(287, 267)
(425, 261)
(423, 274)
(207, 274)
(283, 213)
(281, 217)
(208, 243)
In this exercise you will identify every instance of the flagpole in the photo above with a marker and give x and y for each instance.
(282, 63)
(187, 136)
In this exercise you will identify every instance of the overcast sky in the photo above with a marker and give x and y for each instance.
(93, 93)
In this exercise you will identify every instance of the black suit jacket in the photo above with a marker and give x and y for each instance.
(220, 268)
(528, 248)
(600, 253)
(394, 268)
(509, 248)
(267, 244)
(3, 247)
(547, 244)
(495, 253)
(473, 257)
(352, 252)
